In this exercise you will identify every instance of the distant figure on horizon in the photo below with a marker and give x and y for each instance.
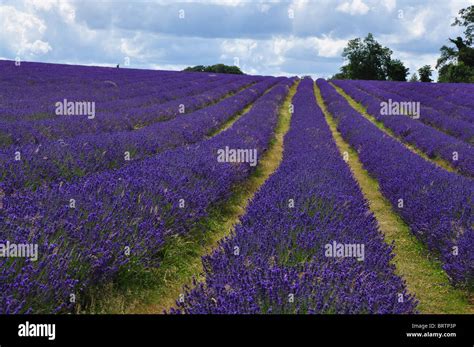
(118, 65)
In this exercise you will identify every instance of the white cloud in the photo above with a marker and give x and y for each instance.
(232, 3)
(417, 27)
(272, 56)
(324, 46)
(131, 47)
(299, 4)
(281, 45)
(264, 8)
(44, 5)
(39, 47)
(173, 67)
(241, 48)
(354, 7)
(390, 5)
(65, 9)
(22, 32)
(328, 47)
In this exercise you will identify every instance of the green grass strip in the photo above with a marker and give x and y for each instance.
(363, 111)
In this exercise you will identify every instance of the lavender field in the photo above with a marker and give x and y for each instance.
(109, 175)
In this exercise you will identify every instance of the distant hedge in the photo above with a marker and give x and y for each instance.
(218, 68)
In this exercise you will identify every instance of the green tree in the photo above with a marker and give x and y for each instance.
(461, 53)
(338, 76)
(197, 68)
(456, 64)
(369, 60)
(396, 71)
(414, 78)
(466, 19)
(425, 73)
(456, 73)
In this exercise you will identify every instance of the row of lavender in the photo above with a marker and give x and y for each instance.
(434, 113)
(88, 230)
(437, 205)
(86, 154)
(192, 98)
(455, 99)
(458, 93)
(429, 140)
(277, 259)
(30, 90)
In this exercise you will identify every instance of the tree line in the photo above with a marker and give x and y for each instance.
(369, 60)
(217, 68)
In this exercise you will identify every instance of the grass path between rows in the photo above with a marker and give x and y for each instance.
(363, 111)
(156, 290)
(234, 118)
(423, 274)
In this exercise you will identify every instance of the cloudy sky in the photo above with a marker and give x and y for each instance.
(299, 37)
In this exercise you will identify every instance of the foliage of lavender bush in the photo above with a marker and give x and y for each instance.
(437, 205)
(281, 266)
